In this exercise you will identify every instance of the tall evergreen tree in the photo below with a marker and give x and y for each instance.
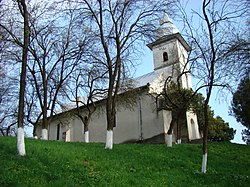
(241, 106)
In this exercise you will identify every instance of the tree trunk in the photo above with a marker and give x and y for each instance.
(179, 126)
(110, 113)
(20, 132)
(210, 87)
(183, 122)
(86, 136)
(178, 141)
(109, 139)
(8, 129)
(86, 130)
(86, 121)
(34, 131)
(1, 130)
(205, 143)
(109, 136)
(44, 108)
(114, 84)
(110, 123)
(169, 140)
(169, 134)
(177, 137)
(44, 134)
(20, 141)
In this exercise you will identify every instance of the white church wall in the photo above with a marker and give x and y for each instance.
(51, 132)
(167, 117)
(183, 56)
(77, 131)
(68, 135)
(71, 127)
(129, 125)
(97, 126)
(152, 122)
(126, 129)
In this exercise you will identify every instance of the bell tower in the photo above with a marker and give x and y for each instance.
(170, 50)
(170, 55)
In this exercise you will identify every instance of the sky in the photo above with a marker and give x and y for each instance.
(220, 104)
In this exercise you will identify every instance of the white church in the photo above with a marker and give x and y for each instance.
(144, 121)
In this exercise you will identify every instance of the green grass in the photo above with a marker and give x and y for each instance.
(51, 163)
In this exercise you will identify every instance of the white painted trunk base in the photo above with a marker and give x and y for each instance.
(165, 138)
(20, 142)
(44, 134)
(169, 140)
(204, 163)
(179, 141)
(109, 140)
(86, 137)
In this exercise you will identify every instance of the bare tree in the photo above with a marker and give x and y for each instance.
(211, 42)
(55, 49)
(8, 110)
(33, 110)
(8, 97)
(10, 50)
(120, 26)
(26, 32)
(86, 89)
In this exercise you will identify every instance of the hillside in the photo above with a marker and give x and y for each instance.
(51, 163)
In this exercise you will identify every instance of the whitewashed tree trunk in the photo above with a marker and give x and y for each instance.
(109, 139)
(165, 138)
(86, 137)
(44, 134)
(179, 141)
(169, 140)
(20, 142)
(204, 163)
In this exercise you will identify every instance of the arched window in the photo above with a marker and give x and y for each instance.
(193, 132)
(192, 122)
(165, 56)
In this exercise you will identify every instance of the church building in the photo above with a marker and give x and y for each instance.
(144, 121)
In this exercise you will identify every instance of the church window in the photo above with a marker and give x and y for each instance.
(192, 122)
(165, 56)
(193, 129)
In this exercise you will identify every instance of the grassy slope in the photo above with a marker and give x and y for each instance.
(51, 163)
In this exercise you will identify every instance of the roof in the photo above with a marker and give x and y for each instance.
(170, 37)
(139, 82)
(149, 78)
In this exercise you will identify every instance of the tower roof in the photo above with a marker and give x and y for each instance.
(166, 27)
(168, 38)
(165, 19)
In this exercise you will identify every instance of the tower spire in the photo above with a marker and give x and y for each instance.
(165, 19)
(166, 26)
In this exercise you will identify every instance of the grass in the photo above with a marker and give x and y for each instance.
(52, 163)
